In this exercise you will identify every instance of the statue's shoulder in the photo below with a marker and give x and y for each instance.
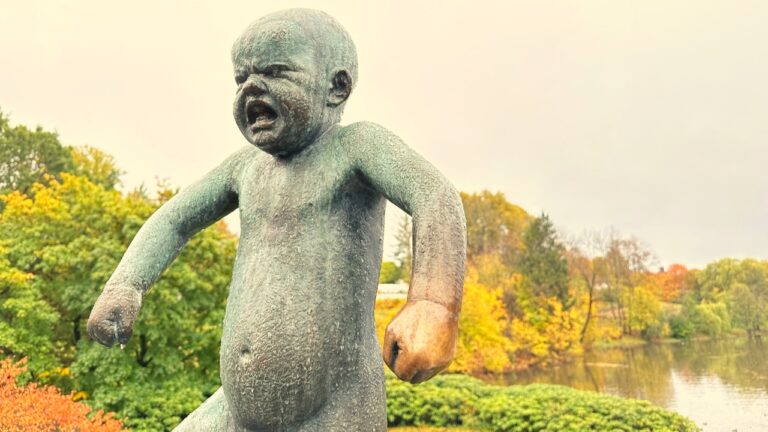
(364, 139)
(244, 155)
(362, 131)
(242, 161)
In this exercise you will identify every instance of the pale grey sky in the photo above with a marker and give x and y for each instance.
(647, 116)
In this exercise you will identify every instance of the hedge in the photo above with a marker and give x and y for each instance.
(458, 400)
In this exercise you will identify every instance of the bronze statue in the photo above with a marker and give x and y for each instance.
(298, 350)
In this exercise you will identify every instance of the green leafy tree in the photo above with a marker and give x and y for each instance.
(748, 299)
(716, 279)
(747, 309)
(742, 285)
(494, 226)
(25, 319)
(739, 285)
(390, 273)
(711, 319)
(69, 236)
(543, 263)
(27, 156)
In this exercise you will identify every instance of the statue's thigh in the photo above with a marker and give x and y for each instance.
(359, 408)
(212, 416)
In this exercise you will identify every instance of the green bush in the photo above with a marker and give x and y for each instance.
(711, 319)
(445, 400)
(457, 400)
(390, 272)
(549, 408)
(654, 331)
(681, 327)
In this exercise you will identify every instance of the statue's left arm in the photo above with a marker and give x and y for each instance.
(156, 245)
(421, 339)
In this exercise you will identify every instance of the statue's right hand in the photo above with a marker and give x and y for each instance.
(112, 316)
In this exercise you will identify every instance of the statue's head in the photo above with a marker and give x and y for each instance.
(294, 70)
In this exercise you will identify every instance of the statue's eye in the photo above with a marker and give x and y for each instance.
(240, 79)
(273, 71)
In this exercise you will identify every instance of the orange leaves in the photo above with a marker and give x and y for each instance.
(43, 408)
(673, 282)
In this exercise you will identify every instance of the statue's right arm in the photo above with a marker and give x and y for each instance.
(157, 243)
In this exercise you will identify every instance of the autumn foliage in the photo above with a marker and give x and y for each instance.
(673, 282)
(43, 408)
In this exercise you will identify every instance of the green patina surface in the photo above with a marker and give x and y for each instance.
(298, 349)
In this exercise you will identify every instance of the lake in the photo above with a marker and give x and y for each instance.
(722, 385)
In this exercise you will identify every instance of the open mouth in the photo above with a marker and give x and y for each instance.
(259, 114)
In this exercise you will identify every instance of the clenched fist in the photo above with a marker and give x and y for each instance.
(420, 341)
(112, 316)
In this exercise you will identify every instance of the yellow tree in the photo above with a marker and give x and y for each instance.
(483, 346)
(96, 166)
(494, 226)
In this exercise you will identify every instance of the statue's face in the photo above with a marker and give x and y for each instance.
(280, 102)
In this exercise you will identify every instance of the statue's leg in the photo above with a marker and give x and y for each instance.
(357, 406)
(212, 416)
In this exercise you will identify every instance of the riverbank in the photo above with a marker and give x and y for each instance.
(635, 341)
(686, 376)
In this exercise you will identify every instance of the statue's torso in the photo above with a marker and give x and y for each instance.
(299, 320)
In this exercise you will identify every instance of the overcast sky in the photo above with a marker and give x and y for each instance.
(647, 116)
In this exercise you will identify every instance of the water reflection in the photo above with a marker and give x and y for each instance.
(721, 384)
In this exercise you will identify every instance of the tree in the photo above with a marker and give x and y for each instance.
(27, 156)
(673, 283)
(747, 299)
(489, 271)
(587, 261)
(543, 263)
(627, 263)
(710, 319)
(494, 226)
(715, 279)
(43, 408)
(96, 166)
(25, 318)
(645, 310)
(390, 273)
(545, 333)
(482, 345)
(742, 286)
(746, 308)
(69, 236)
(404, 248)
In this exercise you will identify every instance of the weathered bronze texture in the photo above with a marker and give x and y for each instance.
(299, 350)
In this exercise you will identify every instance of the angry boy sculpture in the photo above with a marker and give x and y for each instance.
(298, 349)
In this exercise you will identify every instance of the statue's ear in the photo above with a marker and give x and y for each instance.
(341, 87)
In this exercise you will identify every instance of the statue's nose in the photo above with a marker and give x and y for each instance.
(254, 85)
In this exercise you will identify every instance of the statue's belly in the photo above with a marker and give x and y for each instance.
(276, 353)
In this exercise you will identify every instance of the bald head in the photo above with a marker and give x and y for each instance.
(295, 70)
(332, 45)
